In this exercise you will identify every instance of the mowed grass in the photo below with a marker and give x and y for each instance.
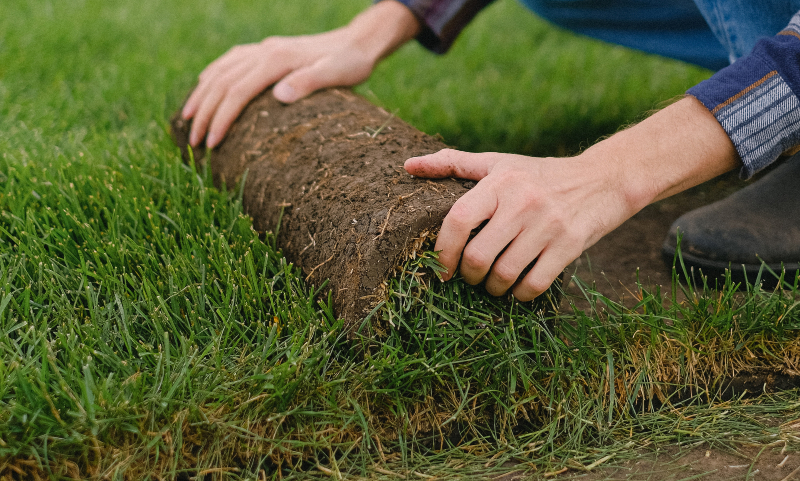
(149, 333)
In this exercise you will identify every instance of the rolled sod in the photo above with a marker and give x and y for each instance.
(326, 173)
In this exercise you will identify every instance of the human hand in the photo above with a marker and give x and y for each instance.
(551, 210)
(300, 65)
(546, 209)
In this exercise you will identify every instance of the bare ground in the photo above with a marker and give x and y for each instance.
(613, 264)
(634, 248)
(703, 463)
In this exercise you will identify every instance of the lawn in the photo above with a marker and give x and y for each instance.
(148, 332)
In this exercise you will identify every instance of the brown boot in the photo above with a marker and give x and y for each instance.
(758, 223)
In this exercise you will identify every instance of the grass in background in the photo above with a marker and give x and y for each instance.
(148, 331)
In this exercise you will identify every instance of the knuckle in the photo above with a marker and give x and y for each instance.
(538, 285)
(529, 197)
(573, 244)
(236, 51)
(554, 225)
(474, 258)
(496, 289)
(272, 42)
(505, 273)
(460, 214)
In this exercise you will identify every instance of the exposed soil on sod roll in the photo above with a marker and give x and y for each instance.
(329, 170)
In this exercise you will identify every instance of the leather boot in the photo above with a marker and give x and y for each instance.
(758, 223)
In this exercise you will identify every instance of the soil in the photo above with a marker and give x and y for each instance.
(633, 251)
(774, 463)
(704, 464)
(326, 173)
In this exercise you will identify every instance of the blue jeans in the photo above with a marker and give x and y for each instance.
(709, 33)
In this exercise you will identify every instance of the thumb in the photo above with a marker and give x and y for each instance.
(451, 163)
(306, 80)
(298, 84)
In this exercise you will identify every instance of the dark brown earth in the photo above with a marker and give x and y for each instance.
(745, 463)
(704, 463)
(634, 248)
(329, 169)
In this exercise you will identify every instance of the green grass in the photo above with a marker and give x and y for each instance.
(149, 332)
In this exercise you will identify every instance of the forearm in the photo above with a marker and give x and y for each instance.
(677, 148)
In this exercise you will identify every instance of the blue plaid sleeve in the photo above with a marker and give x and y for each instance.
(756, 99)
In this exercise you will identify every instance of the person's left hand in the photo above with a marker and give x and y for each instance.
(546, 209)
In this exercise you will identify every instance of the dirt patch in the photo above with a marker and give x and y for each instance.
(633, 250)
(707, 464)
(631, 254)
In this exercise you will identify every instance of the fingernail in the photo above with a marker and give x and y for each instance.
(284, 92)
(212, 140)
(185, 113)
(193, 139)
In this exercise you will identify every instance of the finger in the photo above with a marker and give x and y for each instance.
(550, 264)
(451, 163)
(507, 268)
(196, 99)
(321, 74)
(190, 107)
(466, 214)
(235, 99)
(298, 84)
(212, 92)
(235, 55)
(481, 252)
(206, 79)
(207, 100)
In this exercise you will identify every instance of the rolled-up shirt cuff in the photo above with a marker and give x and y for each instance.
(756, 100)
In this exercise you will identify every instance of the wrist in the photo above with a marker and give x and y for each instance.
(677, 148)
(382, 28)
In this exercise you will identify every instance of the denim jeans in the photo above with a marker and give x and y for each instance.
(709, 33)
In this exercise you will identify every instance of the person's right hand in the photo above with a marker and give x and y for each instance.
(300, 65)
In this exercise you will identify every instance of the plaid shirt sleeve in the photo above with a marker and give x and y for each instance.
(443, 20)
(756, 99)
